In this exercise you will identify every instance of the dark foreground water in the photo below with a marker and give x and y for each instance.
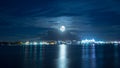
(60, 56)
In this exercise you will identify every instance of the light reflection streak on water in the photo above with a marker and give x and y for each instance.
(30, 52)
(88, 57)
(26, 50)
(116, 54)
(101, 55)
(93, 57)
(84, 57)
(62, 60)
(35, 53)
(35, 56)
(40, 57)
(32, 57)
(29, 56)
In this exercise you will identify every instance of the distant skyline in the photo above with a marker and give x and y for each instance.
(29, 19)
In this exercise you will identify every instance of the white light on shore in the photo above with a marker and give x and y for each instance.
(27, 43)
(35, 43)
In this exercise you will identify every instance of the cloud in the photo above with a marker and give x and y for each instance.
(99, 17)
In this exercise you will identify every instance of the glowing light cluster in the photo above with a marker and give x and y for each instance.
(100, 42)
(27, 43)
(88, 41)
(35, 43)
(40, 43)
(69, 42)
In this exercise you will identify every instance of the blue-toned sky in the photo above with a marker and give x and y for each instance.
(28, 19)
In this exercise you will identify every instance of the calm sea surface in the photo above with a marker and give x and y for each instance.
(60, 56)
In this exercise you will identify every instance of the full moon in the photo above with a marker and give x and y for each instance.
(62, 28)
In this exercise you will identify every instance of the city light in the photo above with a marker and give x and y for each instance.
(41, 43)
(27, 43)
(70, 42)
(35, 43)
(88, 41)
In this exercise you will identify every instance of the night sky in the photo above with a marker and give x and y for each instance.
(29, 19)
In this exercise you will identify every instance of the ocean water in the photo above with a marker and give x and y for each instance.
(60, 56)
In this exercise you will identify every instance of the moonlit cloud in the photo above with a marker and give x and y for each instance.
(101, 18)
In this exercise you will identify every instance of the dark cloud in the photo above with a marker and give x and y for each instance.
(98, 18)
